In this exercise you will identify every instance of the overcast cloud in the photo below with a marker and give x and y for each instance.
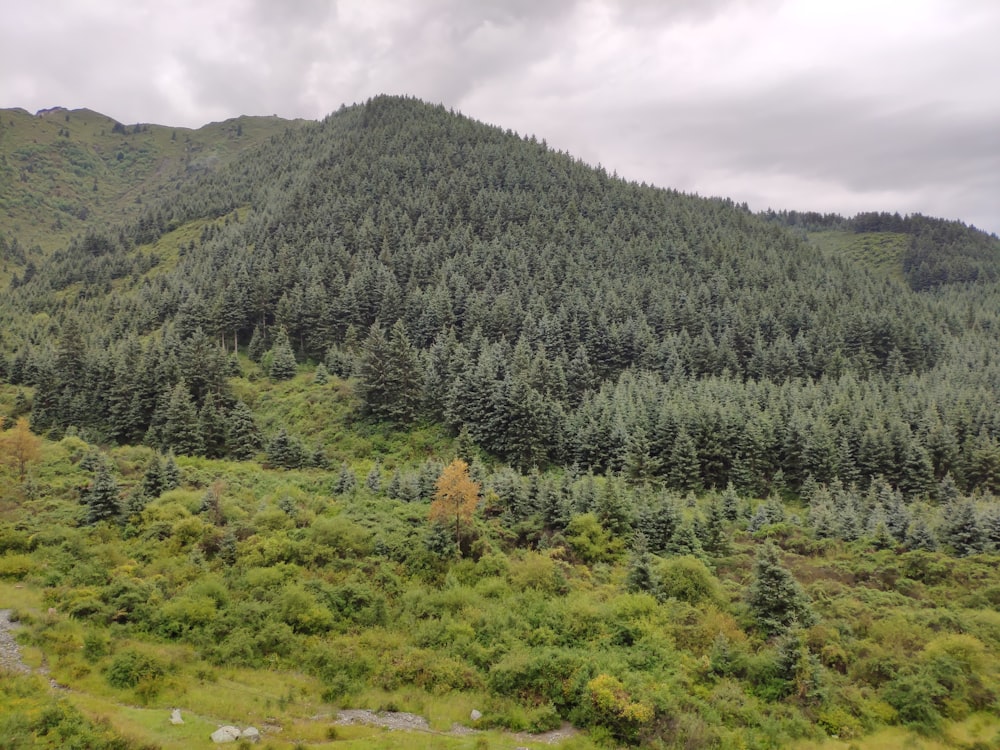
(830, 105)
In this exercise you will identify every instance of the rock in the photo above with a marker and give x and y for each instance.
(175, 717)
(475, 715)
(252, 734)
(225, 734)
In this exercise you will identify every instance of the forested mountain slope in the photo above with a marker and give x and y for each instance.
(720, 484)
(555, 313)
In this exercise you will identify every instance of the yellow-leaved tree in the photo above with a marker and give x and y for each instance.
(455, 498)
(19, 447)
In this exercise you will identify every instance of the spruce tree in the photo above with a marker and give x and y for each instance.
(374, 479)
(153, 480)
(346, 481)
(212, 423)
(102, 496)
(776, 600)
(181, 429)
(962, 531)
(283, 365)
(171, 473)
(242, 434)
(640, 575)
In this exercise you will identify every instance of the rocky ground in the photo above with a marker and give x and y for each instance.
(10, 652)
(412, 722)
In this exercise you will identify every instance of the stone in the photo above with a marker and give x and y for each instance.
(175, 717)
(475, 715)
(225, 734)
(251, 734)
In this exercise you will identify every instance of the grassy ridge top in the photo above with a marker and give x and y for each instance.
(64, 171)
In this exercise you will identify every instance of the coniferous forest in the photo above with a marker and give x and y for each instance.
(402, 411)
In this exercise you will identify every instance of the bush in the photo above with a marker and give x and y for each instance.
(131, 667)
(687, 579)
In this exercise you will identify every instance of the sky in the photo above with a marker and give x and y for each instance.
(823, 105)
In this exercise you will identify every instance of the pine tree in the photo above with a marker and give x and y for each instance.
(640, 575)
(242, 434)
(374, 479)
(102, 496)
(346, 481)
(153, 479)
(683, 468)
(390, 384)
(212, 424)
(171, 473)
(284, 451)
(181, 428)
(283, 365)
(321, 376)
(257, 346)
(962, 531)
(776, 600)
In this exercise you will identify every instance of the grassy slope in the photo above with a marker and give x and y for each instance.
(857, 593)
(880, 252)
(66, 170)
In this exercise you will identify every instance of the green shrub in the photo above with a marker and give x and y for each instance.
(130, 667)
(687, 579)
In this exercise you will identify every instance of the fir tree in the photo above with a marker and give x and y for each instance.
(374, 479)
(242, 434)
(102, 497)
(776, 600)
(212, 423)
(321, 376)
(181, 428)
(640, 575)
(962, 531)
(153, 479)
(283, 365)
(171, 473)
(346, 481)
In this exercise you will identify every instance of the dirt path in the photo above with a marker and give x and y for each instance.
(10, 652)
(413, 723)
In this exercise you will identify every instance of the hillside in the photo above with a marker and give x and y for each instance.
(399, 410)
(63, 171)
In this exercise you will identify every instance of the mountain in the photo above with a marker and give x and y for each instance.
(722, 479)
(62, 171)
(553, 313)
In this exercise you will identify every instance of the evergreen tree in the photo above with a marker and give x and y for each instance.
(181, 428)
(374, 479)
(962, 531)
(283, 365)
(321, 376)
(346, 481)
(684, 472)
(284, 451)
(242, 434)
(212, 423)
(153, 480)
(640, 576)
(102, 497)
(919, 536)
(390, 385)
(171, 473)
(776, 600)
(257, 346)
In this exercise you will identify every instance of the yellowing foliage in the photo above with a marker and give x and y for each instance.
(19, 447)
(455, 497)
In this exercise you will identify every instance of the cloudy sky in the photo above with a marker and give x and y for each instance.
(832, 105)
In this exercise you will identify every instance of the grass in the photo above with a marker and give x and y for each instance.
(881, 252)
(66, 171)
(978, 730)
